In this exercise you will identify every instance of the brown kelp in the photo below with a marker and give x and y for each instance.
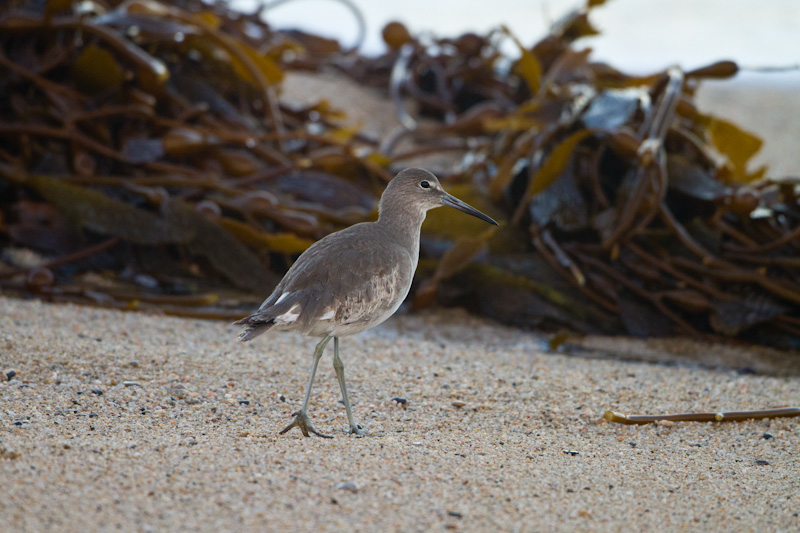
(640, 202)
(148, 140)
(147, 159)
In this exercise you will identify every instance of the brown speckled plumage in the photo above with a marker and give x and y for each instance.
(355, 302)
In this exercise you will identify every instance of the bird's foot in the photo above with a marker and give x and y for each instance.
(356, 430)
(301, 420)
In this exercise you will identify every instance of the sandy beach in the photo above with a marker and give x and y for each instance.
(135, 422)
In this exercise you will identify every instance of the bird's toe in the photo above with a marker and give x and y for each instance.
(357, 430)
(301, 421)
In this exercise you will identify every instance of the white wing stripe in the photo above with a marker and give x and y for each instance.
(289, 316)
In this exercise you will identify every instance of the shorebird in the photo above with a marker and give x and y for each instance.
(354, 279)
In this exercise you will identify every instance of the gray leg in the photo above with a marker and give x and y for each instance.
(338, 366)
(301, 417)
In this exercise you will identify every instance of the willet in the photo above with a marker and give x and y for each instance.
(354, 279)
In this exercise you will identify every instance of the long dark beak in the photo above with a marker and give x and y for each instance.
(452, 201)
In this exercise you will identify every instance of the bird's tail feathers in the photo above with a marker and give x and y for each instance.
(251, 331)
(264, 319)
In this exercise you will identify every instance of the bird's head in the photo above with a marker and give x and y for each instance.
(416, 187)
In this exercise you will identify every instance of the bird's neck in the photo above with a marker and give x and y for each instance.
(403, 222)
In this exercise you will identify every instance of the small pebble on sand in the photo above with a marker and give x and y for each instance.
(350, 486)
(178, 390)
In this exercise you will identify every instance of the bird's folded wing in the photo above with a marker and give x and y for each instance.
(371, 284)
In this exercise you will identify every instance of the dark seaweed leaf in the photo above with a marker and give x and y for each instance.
(96, 71)
(561, 205)
(93, 210)
(734, 316)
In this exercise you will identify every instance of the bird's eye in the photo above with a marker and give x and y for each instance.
(424, 184)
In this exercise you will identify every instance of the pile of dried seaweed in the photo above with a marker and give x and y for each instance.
(146, 143)
(147, 161)
(641, 203)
